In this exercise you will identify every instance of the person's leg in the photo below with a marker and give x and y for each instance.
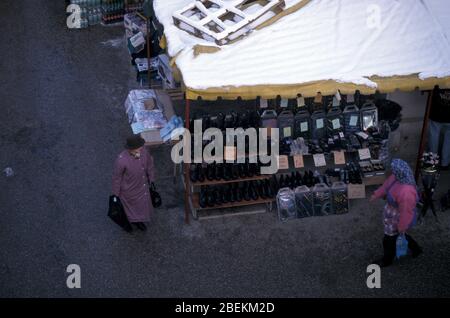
(445, 160)
(413, 246)
(434, 132)
(389, 246)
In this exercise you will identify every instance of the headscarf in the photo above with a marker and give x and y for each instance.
(402, 172)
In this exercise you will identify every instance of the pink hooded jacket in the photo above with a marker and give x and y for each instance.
(405, 196)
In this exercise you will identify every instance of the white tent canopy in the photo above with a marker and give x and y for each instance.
(344, 41)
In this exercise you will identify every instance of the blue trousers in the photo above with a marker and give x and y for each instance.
(435, 132)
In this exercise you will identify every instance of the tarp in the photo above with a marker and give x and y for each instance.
(323, 46)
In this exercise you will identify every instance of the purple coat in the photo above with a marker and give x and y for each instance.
(131, 184)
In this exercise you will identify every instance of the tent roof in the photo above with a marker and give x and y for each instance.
(326, 45)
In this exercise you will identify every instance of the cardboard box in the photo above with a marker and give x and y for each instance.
(165, 72)
(136, 43)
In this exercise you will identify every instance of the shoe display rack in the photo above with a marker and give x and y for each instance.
(320, 143)
(228, 189)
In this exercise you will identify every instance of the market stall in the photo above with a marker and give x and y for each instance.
(321, 61)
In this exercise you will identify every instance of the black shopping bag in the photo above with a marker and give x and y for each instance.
(156, 198)
(117, 213)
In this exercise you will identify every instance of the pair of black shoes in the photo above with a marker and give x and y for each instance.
(140, 225)
(231, 120)
(292, 181)
(242, 120)
(230, 193)
(216, 196)
(223, 171)
(309, 179)
(196, 173)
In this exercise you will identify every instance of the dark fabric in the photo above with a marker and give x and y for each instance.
(117, 213)
(440, 107)
(135, 142)
(390, 246)
(156, 197)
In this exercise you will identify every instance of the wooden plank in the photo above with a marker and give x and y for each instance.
(216, 182)
(215, 214)
(195, 203)
(222, 37)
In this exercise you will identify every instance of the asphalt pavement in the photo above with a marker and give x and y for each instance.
(62, 124)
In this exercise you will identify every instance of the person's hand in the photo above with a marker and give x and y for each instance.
(372, 198)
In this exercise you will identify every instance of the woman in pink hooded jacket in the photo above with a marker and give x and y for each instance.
(399, 213)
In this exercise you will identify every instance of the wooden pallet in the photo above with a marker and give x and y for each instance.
(225, 21)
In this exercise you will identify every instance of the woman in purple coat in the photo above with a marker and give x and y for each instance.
(133, 173)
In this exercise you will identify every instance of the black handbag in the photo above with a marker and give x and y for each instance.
(156, 198)
(117, 213)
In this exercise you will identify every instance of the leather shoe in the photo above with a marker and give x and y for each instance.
(141, 226)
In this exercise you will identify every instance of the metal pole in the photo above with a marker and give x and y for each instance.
(186, 166)
(423, 137)
(149, 77)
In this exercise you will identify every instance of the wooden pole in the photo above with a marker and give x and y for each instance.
(423, 137)
(186, 166)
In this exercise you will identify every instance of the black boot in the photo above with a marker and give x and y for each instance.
(141, 226)
(234, 197)
(298, 179)
(237, 192)
(193, 173)
(245, 192)
(293, 181)
(242, 173)
(235, 117)
(227, 171)
(389, 247)
(200, 173)
(416, 250)
(225, 194)
(248, 170)
(274, 185)
(281, 183)
(210, 200)
(261, 190)
(211, 172)
(219, 171)
(312, 181)
(253, 193)
(220, 121)
(256, 169)
(235, 171)
(203, 198)
(218, 195)
(268, 189)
